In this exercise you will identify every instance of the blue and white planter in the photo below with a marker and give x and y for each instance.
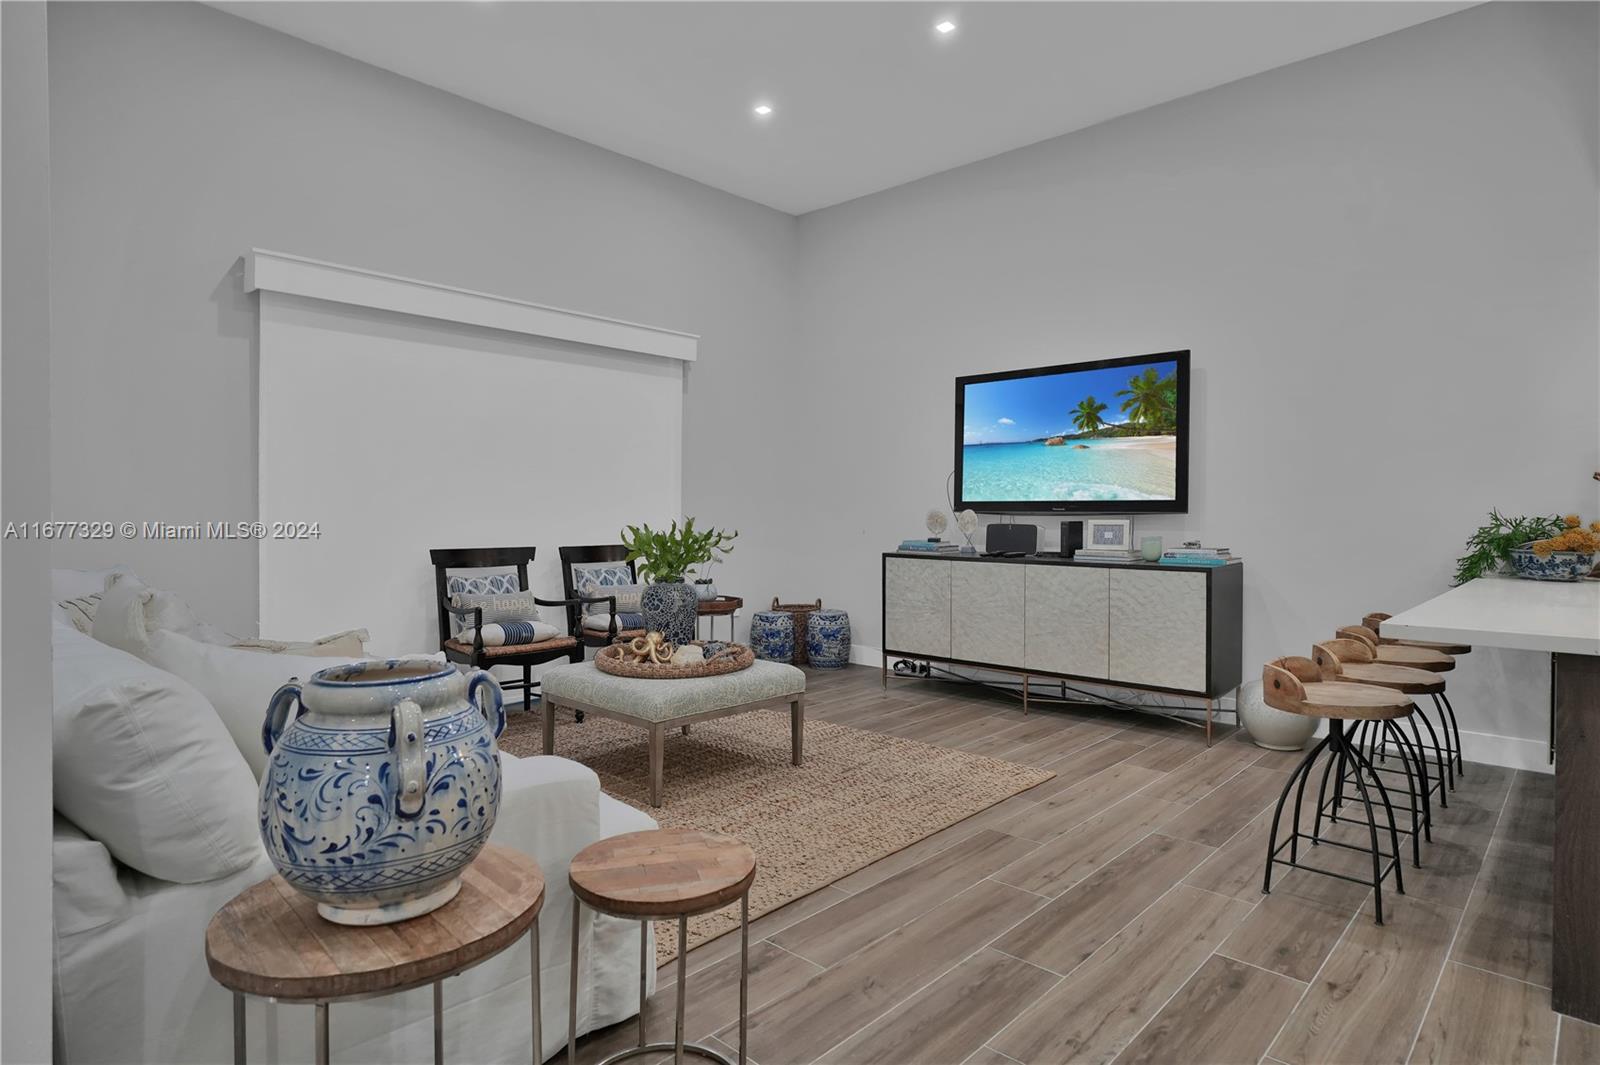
(1557, 566)
(383, 787)
(772, 635)
(828, 639)
(671, 608)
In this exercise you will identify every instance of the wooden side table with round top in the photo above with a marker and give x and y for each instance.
(269, 941)
(663, 873)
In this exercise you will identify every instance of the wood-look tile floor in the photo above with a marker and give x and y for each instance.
(1115, 914)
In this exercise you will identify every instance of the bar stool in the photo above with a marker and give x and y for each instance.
(1427, 658)
(1454, 650)
(663, 874)
(1295, 685)
(1351, 661)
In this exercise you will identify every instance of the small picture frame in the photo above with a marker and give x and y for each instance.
(1114, 534)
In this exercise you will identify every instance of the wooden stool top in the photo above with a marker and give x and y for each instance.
(1375, 623)
(667, 872)
(1400, 654)
(270, 941)
(1290, 684)
(1349, 661)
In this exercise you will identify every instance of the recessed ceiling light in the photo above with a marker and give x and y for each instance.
(763, 110)
(945, 26)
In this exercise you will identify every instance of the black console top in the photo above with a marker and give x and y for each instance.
(1048, 560)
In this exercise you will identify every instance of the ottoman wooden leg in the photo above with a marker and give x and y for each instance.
(549, 725)
(657, 741)
(797, 729)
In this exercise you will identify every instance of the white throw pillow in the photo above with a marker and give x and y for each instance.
(143, 765)
(239, 683)
(131, 610)
(72, 583)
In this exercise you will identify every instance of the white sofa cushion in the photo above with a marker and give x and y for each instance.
(143, 765)
(239, 683)
(86, 892)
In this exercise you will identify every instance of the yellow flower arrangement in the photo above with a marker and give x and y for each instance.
(1573, 538)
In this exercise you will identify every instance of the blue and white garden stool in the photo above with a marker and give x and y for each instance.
(772, 635)
(828, 639)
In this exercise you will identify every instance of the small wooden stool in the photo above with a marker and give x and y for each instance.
(1431, 659)
(1295, 685)
(1351, 661)
(664, 873)
(1375, 623)
(270, 942)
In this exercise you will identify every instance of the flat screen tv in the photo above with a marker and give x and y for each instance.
(1090, 437)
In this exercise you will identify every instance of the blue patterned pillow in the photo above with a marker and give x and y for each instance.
(605, 574)
(482, 584)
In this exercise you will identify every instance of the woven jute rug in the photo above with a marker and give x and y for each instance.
(860, 796)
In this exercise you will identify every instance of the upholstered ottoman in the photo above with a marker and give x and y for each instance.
(657, 705)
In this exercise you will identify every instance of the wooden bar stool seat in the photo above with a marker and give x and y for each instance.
(670, 873)
(1300, 686)
(1433, 661)
(1352, 662)
(1375, 623)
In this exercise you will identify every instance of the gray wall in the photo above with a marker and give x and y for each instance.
(183, 136)
(25, 472)
(1384, 260)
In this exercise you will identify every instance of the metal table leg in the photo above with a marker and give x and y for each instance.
(438, 1022)
(683, 979)
(744, 974)
(538, 996)
(322, 1033)
(572, 979)
(644, 974)
(238, 1028)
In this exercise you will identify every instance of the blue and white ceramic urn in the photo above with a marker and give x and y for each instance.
(383, 786)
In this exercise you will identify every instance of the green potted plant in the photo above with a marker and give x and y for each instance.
(1489, 548)
(664, 557)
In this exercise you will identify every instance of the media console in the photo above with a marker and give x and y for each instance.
(1161, 628)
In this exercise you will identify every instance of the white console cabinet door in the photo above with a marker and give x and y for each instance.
(1067, 626)
(986, 612)
(916, 606)
(1158, 628)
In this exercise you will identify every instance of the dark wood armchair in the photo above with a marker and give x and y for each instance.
(593, 555)
(475, 654)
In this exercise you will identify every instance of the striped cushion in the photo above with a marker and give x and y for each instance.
(506, 633)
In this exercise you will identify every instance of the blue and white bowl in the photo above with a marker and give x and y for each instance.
(1558, 566)
(383, 786)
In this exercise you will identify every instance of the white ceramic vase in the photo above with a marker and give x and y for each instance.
(1273, 729)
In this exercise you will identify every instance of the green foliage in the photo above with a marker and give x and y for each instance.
(1490, 546)
(1086, 415)
(669, 554)
(1151, 401)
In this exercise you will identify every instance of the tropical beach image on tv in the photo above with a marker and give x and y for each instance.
(1070, 438)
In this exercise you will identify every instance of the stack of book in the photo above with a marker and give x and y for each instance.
(929, 545)
(1105, 554)
(1197, 556)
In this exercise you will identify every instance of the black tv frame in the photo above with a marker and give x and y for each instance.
(1179, 504)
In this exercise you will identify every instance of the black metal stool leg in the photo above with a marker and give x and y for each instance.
(1322, 788)
(1301, 771)
(1450, 712)
(1411, 790)
(1421, 763)
(1388, 808)
(1438, 754)
(1372, 829)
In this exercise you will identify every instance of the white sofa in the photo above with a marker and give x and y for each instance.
(130, 977)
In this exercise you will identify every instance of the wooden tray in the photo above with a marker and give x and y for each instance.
(610, 660)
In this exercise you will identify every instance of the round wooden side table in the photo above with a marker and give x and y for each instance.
(270, 942)
(722, 606)
(663, 874)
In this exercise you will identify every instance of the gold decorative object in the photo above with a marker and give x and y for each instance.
(652, 647)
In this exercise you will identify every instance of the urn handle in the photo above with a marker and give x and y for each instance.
(495, 712)
(409, 744)
(279, 713)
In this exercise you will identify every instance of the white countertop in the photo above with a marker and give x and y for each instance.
(1509, 612)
